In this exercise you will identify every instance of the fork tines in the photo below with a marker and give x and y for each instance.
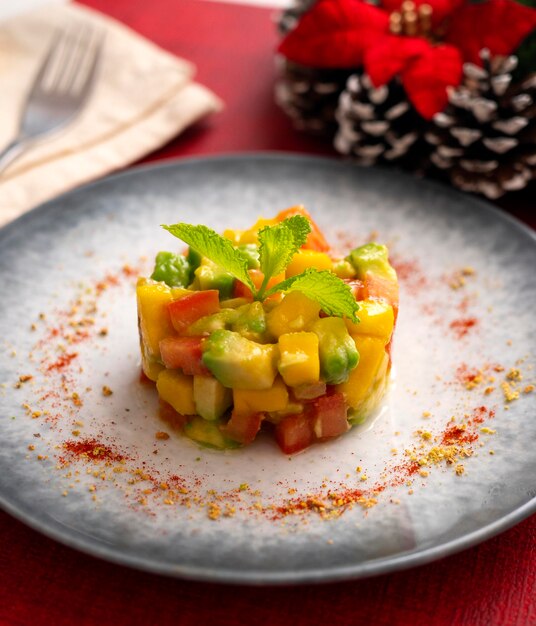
(70, 62)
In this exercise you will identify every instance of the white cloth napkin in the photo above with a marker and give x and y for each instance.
(143, 98)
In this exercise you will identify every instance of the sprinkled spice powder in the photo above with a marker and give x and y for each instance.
(411, 274)
(475, 378)
(110, 280)
(462, 326)
(458, 434)
(63, 361)
(510, 393)
(148, 486)
(90, 449)
(470, 378)
(458, 278)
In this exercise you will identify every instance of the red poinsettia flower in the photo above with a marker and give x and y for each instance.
(352, 33)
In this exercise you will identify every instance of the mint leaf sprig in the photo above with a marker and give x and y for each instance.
(277, 245)
(332, 294)
(215, 247)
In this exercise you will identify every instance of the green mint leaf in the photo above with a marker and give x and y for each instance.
(332, 294)
(300, 227)
(275, 242)
(215, 247)
(279, 243)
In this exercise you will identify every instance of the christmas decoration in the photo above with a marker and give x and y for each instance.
(310, 96)
(486, 137)
(401, 82)
(378, 124)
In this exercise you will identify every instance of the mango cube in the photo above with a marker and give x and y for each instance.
(299, 363)
(376, 320)
(304, 259)
(150, 366)
(177, 389)
(259, 400)
(241, 237)
(154, 322)
(362, 378)
(293, 314)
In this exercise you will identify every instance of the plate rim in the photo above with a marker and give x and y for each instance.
(376, 567)
(71, 538)
(269, 155)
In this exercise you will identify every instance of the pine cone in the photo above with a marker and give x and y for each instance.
(309, 96)
(379, 124)
(485, 140)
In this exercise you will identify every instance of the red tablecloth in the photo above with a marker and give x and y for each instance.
(45, 583)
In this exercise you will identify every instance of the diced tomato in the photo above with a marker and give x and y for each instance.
(382, 288)
(295, 432)
(192, 307)
(169, 415)
(243, 291)
(243, 428)
(329, 416)
(315, 239)
(358, 288)
(184, 353)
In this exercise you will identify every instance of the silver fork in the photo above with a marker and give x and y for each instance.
(60, 89)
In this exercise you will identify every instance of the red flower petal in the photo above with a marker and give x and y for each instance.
(499, 25)
(335, 33)
(426, 79)
(390, 55)
(441, 8)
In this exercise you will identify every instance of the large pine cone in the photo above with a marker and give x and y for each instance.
(379, 124)
(485, 140)
(309, 96)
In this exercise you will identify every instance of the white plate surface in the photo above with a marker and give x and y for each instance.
(382, 497)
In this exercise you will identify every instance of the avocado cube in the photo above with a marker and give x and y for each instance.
(208, 434)
(238, 362)
(210, 323)
(172, 269)
(251, 321)
(210, 276)
(211, 398)
(372, 257)
(337, 350)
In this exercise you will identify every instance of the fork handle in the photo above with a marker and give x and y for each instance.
(11, 152)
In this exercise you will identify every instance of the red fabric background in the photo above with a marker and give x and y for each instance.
(43, 583)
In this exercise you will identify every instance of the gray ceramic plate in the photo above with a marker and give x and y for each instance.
(448, 461)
